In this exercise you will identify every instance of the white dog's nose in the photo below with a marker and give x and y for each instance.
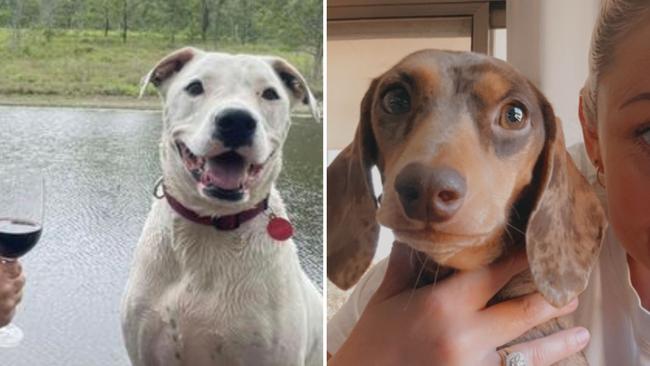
(235, 128)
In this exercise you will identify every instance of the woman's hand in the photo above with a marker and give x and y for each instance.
(12, 281)
(449, 323)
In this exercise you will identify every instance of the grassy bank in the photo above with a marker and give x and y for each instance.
(96, 101)
(84, 68)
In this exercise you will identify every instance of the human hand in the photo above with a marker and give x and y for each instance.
(12, 281)
(449, 323)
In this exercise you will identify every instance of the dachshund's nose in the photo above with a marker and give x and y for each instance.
(235, 128)
(430, 194)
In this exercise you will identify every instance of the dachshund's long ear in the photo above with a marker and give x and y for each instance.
(567, 223)
(352, 230)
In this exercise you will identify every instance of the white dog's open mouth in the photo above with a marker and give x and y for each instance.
(225, 176)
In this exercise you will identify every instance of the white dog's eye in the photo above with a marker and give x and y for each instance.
(270, 94)
(194, 88)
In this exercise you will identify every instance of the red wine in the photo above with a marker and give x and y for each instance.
(17, 237)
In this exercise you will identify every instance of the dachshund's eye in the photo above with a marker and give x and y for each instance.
(270, 94)
(396, 101)
(513, 117)
(194, 88)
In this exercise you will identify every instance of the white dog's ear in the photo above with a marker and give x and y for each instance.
(167, 67)
(295, 84)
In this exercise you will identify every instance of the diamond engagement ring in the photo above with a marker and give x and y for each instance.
(509, 358)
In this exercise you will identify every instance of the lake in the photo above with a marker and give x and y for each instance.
(100, 167)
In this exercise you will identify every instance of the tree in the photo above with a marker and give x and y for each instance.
(236, 21)
(178, 17)
(205, 18)
(297, 24)
(106, 11)
(102, 14)
(67, 9)
(47, 18)
(288, 24)
(16, 19)
(125, 19)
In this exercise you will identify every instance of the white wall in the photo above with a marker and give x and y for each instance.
(499, 44)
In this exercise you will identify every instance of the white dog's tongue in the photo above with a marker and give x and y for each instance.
(226, 171)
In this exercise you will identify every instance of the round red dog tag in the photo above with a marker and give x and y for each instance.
(279, 228)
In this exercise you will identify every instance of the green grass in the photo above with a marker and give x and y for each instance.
(86, 65)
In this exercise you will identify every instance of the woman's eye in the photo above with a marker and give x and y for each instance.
(645, 136)
(270, 94)
(396, 101)
(194, 88)
(513, 117)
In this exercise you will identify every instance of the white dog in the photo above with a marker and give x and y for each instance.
(215, 281)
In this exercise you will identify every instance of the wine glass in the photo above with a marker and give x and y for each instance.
(21, 222)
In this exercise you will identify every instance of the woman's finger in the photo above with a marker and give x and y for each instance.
(399, 273)
(550, 349)
(6, 318)
(477, 287)
(13, 269)
(19, 283)
(19, 299)
(516, 316)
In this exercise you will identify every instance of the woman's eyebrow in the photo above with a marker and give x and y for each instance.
(637, 98)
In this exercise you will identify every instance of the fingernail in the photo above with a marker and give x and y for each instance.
(582, 336)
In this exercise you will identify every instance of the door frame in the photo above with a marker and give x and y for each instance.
(485, 14)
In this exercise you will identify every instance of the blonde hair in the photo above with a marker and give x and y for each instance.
(617, 18)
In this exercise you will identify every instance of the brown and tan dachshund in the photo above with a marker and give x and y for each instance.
(473, 165)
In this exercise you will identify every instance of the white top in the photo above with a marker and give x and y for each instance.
(610, 307)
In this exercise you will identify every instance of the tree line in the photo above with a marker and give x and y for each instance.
(295, 24)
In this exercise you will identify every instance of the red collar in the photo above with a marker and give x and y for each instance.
(225, 223)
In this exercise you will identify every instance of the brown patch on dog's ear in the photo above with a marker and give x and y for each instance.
(295, 84)
(352, 230)
(567, 223)
(168, 66)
